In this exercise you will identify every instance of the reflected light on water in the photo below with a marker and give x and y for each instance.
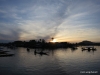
(57, 62)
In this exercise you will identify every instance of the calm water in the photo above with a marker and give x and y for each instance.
(57, 62)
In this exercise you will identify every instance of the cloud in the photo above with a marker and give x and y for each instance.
(62, 19)
(9, 32)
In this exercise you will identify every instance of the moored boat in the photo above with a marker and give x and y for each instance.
(88, 48)
(6, 55)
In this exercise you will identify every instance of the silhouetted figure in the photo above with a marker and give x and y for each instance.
(89, 49)
(40, 53)
(28, 49)
(35, 52)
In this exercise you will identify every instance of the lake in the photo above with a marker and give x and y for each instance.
(54, 62)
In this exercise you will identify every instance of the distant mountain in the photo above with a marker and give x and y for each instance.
(85, 42)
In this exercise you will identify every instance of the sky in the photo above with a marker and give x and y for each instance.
(64, 20)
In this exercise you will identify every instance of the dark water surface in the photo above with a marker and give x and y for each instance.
(57, 62)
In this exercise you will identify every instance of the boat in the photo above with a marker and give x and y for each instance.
(88, 48)
(40, 53)
(6, 55)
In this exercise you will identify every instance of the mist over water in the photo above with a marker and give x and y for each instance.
(55, 62)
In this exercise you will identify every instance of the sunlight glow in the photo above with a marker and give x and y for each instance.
(54, 40)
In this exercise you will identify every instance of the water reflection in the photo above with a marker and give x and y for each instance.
(50, 62)
(47, 52)
(89, 50)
